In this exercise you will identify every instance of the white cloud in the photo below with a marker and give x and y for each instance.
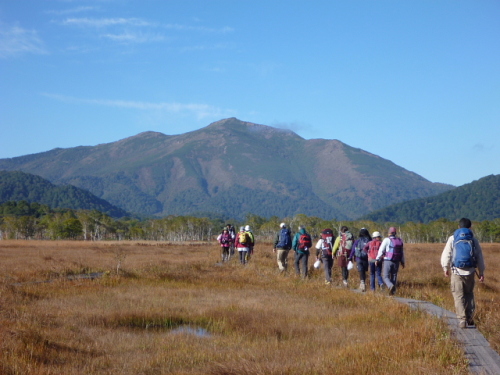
(200, 111)
(130, 37)
(105, 22)
(80, 9)
(15, 40)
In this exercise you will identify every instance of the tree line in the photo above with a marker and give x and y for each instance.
(23, 220)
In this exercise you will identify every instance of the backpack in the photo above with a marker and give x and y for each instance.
(373, 247)
(346, 241)
(225, 238)
(285, 241)
(327, 243)
(251, 238)
(358, 250)
(395, 252)
(463, 249)
(305, 241)
(243, 238)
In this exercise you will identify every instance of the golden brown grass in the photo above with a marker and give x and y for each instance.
(134, 319)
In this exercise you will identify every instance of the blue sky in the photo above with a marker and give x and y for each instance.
(415, 82)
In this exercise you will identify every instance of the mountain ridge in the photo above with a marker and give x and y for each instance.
(231, 167)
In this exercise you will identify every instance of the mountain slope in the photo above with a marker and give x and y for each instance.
(478, 200)
(233, 168)
(17, 186)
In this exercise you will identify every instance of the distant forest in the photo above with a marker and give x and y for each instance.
(33, 221)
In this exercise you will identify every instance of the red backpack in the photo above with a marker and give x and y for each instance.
(305, 241)
(327, 243)
(373, 247)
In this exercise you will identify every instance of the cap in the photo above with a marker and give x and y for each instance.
(376, 234)
(282, 225)
(392, 230)
(247, 227)
(242, 229)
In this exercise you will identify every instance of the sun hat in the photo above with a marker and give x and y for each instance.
(376, 234)
(247, 227)
(282, 225)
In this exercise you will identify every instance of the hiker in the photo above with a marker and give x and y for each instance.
(359, 254)
(324, 252)
(392, 254)
(242, 244)
(463, 254)
(232, 232)
(225, 241)
(301, 244)
(341, 250)
(282, 245)
(371, 248)
(252, 241)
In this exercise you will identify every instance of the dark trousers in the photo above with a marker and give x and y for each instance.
(301, 259)
(327, 264)
(362, 268)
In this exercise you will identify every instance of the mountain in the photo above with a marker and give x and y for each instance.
(233, 168)
(17, 186)
(478, 201)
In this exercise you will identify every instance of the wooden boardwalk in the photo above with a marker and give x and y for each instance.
(482, 358)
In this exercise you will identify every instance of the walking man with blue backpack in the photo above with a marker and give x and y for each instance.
(392, 254)
(282, 245)
(463, 255)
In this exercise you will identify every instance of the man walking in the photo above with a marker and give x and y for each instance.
(341, 250)
(324, 251)
(392, 254)
(282, 245)
(301, 244)
(463, 255)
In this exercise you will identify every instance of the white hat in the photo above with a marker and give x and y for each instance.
(282, 225)
(376, 234)
(247, 227)
(242, 229)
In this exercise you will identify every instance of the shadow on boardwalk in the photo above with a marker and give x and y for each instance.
(482, 358)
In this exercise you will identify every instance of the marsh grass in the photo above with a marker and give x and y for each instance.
(254, 320)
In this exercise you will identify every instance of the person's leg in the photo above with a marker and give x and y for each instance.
(457, 290)
(297, 262)
(469, 303)
(327, 264)
(378, 273)
(305, 261)
(373, 286)
(386, 271)
(345, 275)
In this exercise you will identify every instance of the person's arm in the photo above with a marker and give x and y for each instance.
(479, 259)
(295, 241)
(382, 249)
(446, 256)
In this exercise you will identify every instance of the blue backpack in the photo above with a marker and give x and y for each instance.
(463, 249)
(285, 239)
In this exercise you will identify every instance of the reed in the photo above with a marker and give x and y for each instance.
(175, 309)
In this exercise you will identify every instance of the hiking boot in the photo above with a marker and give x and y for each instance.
(345, 282)
(392, 290)
(327, 282)
(362, 286)
(462, 324)
(470, 322)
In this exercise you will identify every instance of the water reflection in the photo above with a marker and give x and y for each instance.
(192, 330)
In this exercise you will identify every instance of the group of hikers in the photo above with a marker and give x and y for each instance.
(461, 259)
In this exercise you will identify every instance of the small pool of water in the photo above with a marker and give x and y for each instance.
(197, 331)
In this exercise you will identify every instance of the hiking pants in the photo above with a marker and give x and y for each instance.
(375, 271)
(462, 288)
(282, 257)
(362, 265)
(225, 254)
(301, 259)
(345, 273)
(327, 264)
(243, 256)
(390, 273)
